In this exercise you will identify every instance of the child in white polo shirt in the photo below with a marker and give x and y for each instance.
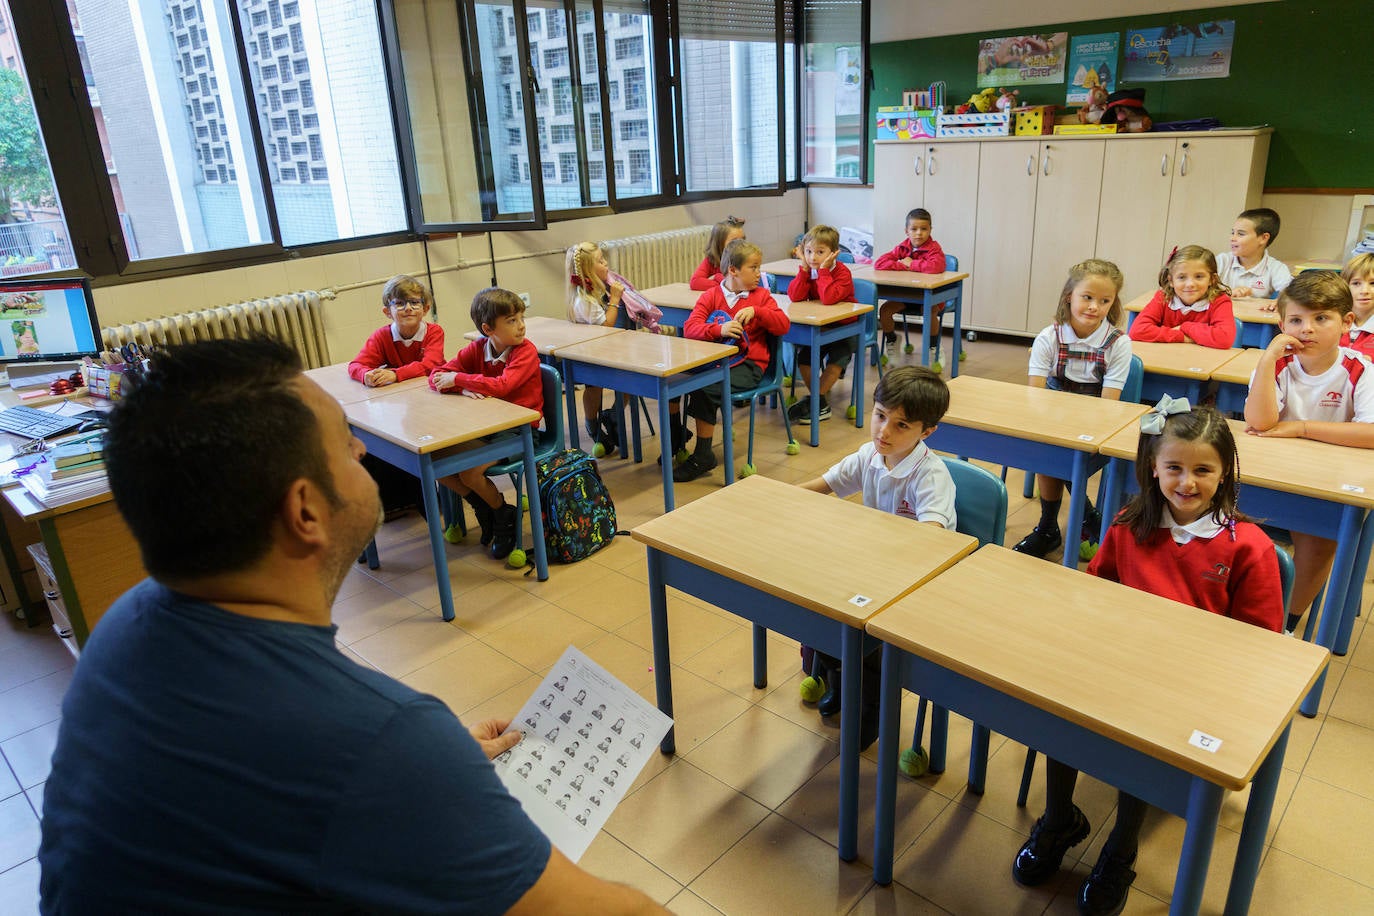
(1308, 386)
(1247, 268)
(896, 473)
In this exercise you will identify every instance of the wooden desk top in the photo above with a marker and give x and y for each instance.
(1306, 467)
(1181, 360)
(1239, 367)
(781, 539)
(647, 354)
(1139, 669)
(1037, 414)
(810, 312)
(788, 267)
(672, 295)
(1249, 311)
(549, 335)
(907, 278)
(336, 383)
(425, 421)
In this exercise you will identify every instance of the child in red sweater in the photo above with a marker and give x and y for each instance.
(1181, 537)
(409, 346)
(1192, 305)
(710, 271)
(822, 277)
(500, 364)
(741, 311)
(919, 253)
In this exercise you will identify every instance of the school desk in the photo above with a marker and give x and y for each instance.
(812, 588)
(660, 367)
(426, 433)
(1180, 370)
(1169, 703)
(1048, 432)
(674, 300)
(549, 335)
(1233, 379)
(1258, 325)
(338, 385)
(926, 291)
(1301, 484)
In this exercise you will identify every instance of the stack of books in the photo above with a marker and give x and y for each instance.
(71, 471)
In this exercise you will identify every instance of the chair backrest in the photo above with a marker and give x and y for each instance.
(1135, 381)
(845, 256)
(554, 423)
(951, 262)
(772, 379)
(866, 291)
(1240, 326)
(980, 502)
(1285, 574)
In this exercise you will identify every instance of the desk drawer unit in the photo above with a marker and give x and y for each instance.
(61, 623)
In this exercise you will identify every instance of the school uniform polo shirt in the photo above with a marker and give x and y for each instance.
(1342, 394)
(1268, 278)
(919, 487)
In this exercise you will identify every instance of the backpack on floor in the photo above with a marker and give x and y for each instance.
(578, 515)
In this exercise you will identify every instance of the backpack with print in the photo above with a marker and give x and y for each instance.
(578, 515)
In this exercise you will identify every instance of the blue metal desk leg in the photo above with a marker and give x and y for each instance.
(658, 617)
(761, 657)
(815, 393)
(541, 556)
(1252, 831)
(1354, 592)
(957, 303)
(885, 809)
(570, 396)
(727, 415)
(436, 535)
(927, 310)
(939, 738)
(666, 454)
(851, 681)
(1109, 497)
(860, 360)
(1204, 807)
(1078, 498)
(1333, 608)
(978, 759)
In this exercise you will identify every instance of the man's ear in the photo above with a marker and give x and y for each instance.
(304, 514)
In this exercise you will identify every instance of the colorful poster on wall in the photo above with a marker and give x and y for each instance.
(1092, 64)
(1022, 60)
(1198, 51)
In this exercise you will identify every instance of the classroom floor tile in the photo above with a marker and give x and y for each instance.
(744, 818)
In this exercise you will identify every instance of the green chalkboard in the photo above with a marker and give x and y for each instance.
(1302, 68)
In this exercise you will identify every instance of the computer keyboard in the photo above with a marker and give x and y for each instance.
(32, 423)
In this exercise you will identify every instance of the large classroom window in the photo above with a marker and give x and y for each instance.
(834, 89)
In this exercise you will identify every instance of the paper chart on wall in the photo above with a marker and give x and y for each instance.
(586, 737)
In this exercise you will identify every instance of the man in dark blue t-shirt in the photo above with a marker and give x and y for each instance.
(217, 752)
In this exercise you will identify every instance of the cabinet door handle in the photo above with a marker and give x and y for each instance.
(916, 164)
(1045, 169)
(1030, 165)
(1164, 166)
(930, 164)
(1183, 162)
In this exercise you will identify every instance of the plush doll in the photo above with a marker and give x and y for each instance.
(980, 102)
(1126, 108)
(1007, 100)
(1091, 111)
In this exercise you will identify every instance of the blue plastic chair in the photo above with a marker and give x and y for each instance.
(1286, 587)
(770, 384)
(548, 441)
(980, 507)
(1130, 394)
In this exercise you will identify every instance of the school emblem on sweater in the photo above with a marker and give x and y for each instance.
(1218, 573)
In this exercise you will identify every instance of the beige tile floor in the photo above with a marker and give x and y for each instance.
(743, 819)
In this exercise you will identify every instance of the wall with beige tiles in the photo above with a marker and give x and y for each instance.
(773, 222)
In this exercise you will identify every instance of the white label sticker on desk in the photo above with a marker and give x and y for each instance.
(860, 600)
(1205, 741)
(660, 365)
(1085, 438)
(1352, 488)
(424, 438)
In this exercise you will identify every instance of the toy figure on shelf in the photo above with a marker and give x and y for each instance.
(1092, 110)
(1007, 100)
(1126, 108)
(981, 102)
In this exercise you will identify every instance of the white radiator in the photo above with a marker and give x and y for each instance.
(296, 318)
(658, 258)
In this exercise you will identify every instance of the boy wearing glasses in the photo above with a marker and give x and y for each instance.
(408, 347)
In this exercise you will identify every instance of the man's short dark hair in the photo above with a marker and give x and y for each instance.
(493, 303)
(201, 451)
(918, 391)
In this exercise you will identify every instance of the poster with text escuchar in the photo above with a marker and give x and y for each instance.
(1197, 51)
(586, 737)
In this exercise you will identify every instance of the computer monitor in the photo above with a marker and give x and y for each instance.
(46, 325)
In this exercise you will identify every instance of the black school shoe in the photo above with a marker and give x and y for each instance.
(693, 468)
(1104, 892)
(1039, 858)
(1040, 542)
(504, 522)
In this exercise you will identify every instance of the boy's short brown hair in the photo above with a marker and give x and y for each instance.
(920, 393)
(736, 253)
(404, 286)
(493, 303)
(1266, 222)
(1319, 290)
(1362, 265)
(828, 236)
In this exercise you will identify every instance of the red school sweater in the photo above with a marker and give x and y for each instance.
(515, 380)
(706, 276)
(409, 359)
(768, 319)
(928, 259)
(1157, 323)
(832, 285)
